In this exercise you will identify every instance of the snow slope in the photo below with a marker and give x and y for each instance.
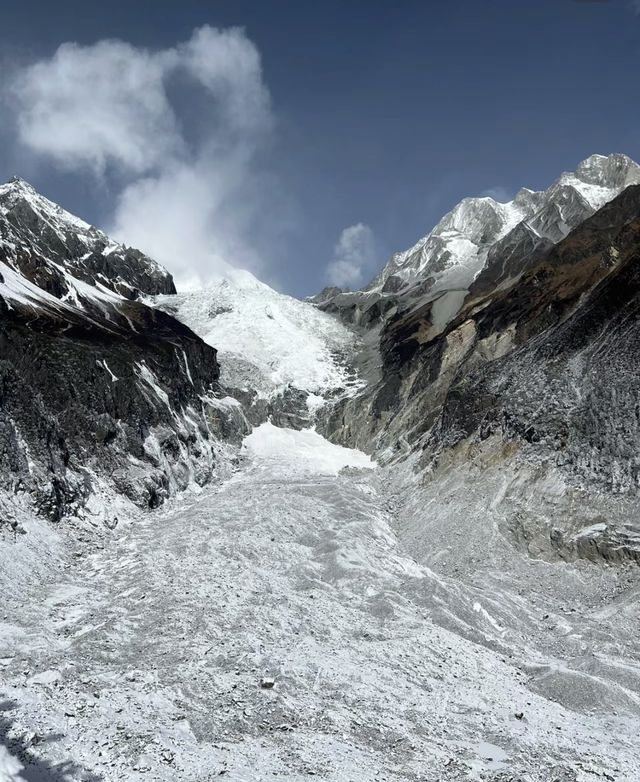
(307, 450)
(10, 767)
(15, 287)
(265, 339)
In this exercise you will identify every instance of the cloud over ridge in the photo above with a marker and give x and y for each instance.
(353, 256)
(188, 199)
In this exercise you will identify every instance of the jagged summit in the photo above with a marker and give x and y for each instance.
(614, 171)
(18, 180)
(460, 245)
(18, 190)
(86, 367)
(64, 250)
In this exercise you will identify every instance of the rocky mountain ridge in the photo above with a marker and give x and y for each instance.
(479, 230)
(54, 250)
(482, 236)
(104, 386)
(529, 368)
(97, 389)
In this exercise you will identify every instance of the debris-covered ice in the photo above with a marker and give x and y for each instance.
(280, 627)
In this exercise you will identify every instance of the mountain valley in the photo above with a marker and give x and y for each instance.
(389, 533)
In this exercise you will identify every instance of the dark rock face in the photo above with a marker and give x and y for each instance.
(359, 308)
(540, 353)
(326, 293)
(569, 384)
(93, 401)
(287, 409)
(96, 389)
(42, 241)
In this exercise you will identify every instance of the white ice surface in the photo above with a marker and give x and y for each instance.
(10, 767)
(303, 451)
(288, 341)
(163, 629)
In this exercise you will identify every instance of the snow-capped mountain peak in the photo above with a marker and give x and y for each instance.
(66, 257)
(459, 246)
(18, 190)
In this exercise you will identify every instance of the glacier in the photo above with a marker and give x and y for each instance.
(377, 553)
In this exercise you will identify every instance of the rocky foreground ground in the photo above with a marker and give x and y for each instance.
(284, 626)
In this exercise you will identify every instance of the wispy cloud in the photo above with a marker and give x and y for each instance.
(354, 256)
(498, 193)
(188, 189)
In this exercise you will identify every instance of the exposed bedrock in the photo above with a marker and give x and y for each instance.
(98, 405)
(98, 392)
(544, 358)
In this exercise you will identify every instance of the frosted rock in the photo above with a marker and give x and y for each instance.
(457, 248)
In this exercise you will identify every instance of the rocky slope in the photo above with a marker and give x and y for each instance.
(98, 390)
(529, 369)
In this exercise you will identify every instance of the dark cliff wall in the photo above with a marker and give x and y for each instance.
(80, 403)
(546, 357)
(97, 390)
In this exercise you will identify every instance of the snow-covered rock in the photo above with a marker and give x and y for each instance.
(68, 258)
(456, 250)
(533, 364)
(10, 767)
(97, 387)
(279, 356)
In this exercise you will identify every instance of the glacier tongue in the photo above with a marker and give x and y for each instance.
(288, 452)
(144, 651)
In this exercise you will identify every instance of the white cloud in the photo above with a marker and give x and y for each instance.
(354, 255)
(228, 65)
(498, 193)
(91, 105)
(188, 191)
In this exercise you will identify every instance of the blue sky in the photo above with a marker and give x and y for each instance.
(371, 116)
